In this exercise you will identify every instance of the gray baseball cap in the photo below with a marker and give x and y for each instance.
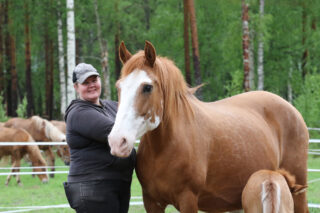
(82, 71)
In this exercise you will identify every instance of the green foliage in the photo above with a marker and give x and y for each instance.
(219, 28)
(22, 108)
(308, 103)
(3, 116)
(235, 85)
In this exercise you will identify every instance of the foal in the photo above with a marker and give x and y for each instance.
(270, 192)
(17, 152)
(41, 130)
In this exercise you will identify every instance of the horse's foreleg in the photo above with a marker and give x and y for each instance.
(18, 170)
(16, 163)
(152, 206)
(188, 202)
(51, 159)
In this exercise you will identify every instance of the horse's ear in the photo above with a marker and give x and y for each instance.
(124, 54)
(150, 53)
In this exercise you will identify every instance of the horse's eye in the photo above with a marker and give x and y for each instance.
(147, 88)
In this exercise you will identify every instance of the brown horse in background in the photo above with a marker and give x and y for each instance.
(42, 131)
(17, 152)
(270, 192)
(197, 155)
(63, 152)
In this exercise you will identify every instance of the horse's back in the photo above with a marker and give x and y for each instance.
(17, 123)
(15, 135)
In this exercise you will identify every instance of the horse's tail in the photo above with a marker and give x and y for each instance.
(291, 181)
(270, 197)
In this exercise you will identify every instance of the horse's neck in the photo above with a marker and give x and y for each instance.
(163, 136)
(33, 153)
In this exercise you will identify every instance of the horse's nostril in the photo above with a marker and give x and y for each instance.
(123, 142)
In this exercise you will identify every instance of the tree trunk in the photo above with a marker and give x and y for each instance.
(260, 51)
(290, 99)
(11, 94)
(146, 8)
(14, 77)
(47, 72)
(30, 105)
(195, 47)
(104, 56)
(71, 57)
(245, 45)
(1, 51)
(251, 60)
(186, 42)
(7, 94)
(117, 41)
(62, 74)
(304, 38)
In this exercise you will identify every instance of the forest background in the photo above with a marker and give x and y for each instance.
(231, 46)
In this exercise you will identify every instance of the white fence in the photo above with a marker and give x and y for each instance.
(134, 200)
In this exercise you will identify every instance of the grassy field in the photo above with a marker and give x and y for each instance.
(33, 193)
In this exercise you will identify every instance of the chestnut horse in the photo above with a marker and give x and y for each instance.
(270, 192)
(17, 152)
(42, 131)
(196, 155)
(63, 151)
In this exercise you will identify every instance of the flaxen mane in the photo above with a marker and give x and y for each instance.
(51, 132)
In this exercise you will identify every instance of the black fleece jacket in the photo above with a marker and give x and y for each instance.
(88, 127)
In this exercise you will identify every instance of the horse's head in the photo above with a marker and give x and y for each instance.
(38, 162)
(140, 99)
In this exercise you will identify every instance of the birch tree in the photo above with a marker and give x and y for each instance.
(63, 86)
(104, 55)
(71, 50)
(245, 45)
(261, 50)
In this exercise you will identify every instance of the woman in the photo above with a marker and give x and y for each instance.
(97, 181)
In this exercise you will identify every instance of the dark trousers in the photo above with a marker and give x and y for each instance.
(99, 196)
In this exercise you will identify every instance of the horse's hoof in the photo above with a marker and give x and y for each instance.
(52, 175)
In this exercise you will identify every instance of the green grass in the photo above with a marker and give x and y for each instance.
(34, 193)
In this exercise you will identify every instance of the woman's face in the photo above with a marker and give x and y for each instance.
(90, 89)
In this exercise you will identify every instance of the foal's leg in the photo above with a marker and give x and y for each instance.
(18, 170)
(51, 159)
(16, 163)
(151, 205)
(9, 176)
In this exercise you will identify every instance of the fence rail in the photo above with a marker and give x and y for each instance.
(132, 203)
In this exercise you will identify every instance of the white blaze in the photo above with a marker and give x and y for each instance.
(129, 125)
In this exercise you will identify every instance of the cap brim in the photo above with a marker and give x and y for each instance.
(87, 75)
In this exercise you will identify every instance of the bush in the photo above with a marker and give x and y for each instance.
(3, 116)
(22, 108)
